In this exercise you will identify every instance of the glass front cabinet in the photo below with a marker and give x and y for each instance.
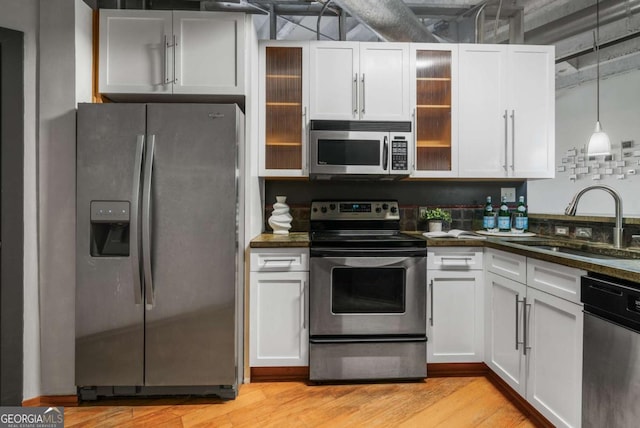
(283, 108)
(434, 91)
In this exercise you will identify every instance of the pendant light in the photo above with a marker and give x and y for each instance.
(599, 143)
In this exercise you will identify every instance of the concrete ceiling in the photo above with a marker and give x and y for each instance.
(567, 24)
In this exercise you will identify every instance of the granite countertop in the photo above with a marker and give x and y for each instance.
(270, 240)
(628, 268)
(619, 268)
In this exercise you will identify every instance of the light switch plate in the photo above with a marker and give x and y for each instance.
(509, 193)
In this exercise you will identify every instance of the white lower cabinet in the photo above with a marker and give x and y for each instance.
(554, 384)
(504, 354)
(534, 337)
(455, 309)
(278, 305)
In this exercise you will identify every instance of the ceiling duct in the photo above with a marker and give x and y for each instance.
(581, 21)
(391, 20)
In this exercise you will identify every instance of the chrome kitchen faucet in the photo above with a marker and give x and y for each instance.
(617, 231)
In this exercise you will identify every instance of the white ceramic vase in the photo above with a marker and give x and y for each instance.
(280, 220)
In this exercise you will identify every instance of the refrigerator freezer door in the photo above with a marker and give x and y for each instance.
(109, 323)
(190, 323)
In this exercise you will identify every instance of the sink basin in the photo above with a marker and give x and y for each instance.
(581, 250)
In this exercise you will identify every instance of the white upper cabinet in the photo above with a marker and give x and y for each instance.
(133, 57)
(209, 51)
(334, 80)
(171, 52)
(384, 81)
(359, 81)
(507, 111)
(531, 75)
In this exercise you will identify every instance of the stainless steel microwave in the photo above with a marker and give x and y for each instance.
(360, 149)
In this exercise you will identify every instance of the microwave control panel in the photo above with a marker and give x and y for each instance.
(399, 154)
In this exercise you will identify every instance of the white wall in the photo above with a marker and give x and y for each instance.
(575, 121)
(60, 34)
(23, 16)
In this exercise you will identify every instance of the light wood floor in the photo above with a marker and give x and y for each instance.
(436, 402)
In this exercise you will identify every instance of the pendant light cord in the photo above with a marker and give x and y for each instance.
(596, 45)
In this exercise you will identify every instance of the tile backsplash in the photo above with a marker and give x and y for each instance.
(469, 217)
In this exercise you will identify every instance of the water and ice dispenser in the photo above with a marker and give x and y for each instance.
(109, 228)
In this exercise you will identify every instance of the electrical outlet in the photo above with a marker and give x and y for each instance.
(422, 210)
(561, 230)
(509, 193)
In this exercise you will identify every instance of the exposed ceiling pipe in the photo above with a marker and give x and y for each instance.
(581, 21)
(391, 20)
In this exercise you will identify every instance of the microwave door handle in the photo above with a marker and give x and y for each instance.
(385, 153)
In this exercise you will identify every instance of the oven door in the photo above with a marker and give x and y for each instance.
(348, 152)
(367, 296)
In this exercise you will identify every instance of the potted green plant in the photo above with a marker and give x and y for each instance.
(435, 217)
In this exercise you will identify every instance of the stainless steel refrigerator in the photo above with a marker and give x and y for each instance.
(157, 249)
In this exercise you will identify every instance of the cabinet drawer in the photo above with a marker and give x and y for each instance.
(512, 266)
(454, 258)
(280, 260)
(555, 279)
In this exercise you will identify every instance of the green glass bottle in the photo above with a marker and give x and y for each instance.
(521, 216)
(488, 217)
(504, 216)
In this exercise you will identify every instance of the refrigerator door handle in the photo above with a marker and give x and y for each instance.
(134, 224)
(146, 221)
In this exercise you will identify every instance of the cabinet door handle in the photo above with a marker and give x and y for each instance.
(506, 139)
(175, 45)
(305, 158)
(526, 326)
(165, 73)
(451, 261)
(354, 94)
(513, 140)
(431, 302)
(288, 260)
(518, 322)
(415, 140)
(362, 93)
(303, 306)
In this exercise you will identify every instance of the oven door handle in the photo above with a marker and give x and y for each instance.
(368, 339)
(399, 253)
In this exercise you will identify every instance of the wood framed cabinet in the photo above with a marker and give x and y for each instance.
(455, 305)
(171, 52)
(506, 111)
(283, 108)
(359, 81)
(434, 98)
(534, 329)
(279, 307)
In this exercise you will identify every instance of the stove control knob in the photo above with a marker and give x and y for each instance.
(323, 209)
(393, 210)
(378, 209)
(315, 210)
(332, 207)
(385, 206)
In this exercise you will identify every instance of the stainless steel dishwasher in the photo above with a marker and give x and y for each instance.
(611, 364)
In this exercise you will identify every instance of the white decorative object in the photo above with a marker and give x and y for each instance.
(280, 220)
(435, 225)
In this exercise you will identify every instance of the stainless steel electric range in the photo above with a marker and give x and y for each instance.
(367, 294)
